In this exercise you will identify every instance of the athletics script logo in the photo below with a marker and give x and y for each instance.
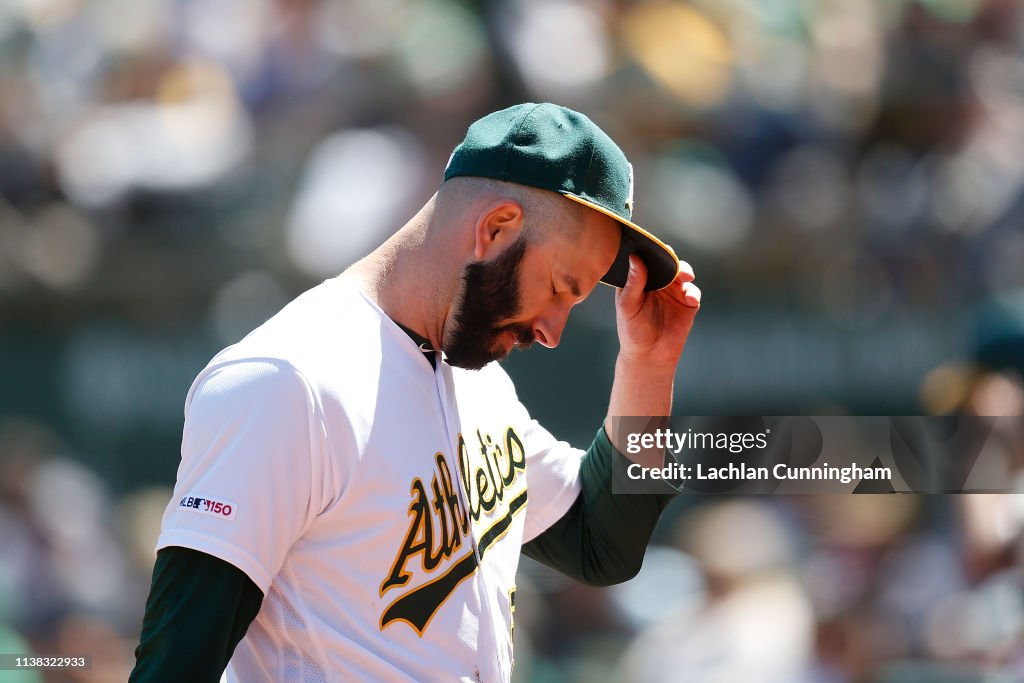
(441, 522)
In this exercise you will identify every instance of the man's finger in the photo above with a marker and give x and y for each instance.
(691, 294)
(685, 272)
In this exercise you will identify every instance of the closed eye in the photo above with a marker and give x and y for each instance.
(574, 287)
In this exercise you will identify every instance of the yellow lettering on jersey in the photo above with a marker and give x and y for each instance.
(486, 483)
(452, 525)
(439, 524)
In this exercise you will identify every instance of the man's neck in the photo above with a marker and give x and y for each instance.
(407, 277)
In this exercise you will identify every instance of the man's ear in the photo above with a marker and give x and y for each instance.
(500, 224)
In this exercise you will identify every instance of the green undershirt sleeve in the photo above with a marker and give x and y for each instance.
(602, 538)
(199, 607)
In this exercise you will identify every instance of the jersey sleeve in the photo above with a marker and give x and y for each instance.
(552, 478)
(602, 538)
(252, 463)
(552, 466)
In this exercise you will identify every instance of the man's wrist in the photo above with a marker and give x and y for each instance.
(645, 363)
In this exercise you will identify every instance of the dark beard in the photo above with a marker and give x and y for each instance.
(490, 294)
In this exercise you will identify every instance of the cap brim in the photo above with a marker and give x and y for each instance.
(661, 261)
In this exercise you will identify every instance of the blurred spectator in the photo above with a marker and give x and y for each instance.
(64, 581)
(755, 622)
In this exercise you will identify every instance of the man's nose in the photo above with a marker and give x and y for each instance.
(547, 329)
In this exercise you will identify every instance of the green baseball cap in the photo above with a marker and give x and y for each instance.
(558, 149)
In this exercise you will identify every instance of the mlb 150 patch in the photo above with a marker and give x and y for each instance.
(210, 506)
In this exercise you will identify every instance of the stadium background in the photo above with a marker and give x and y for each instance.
(845, 176)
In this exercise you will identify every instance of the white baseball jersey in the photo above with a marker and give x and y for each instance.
(379, 503)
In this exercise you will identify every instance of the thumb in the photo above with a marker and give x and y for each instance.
(632, 295)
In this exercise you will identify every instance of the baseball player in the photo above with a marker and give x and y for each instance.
(357, 476)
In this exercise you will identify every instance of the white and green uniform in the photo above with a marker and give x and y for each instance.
(379, 503)
(350, 508)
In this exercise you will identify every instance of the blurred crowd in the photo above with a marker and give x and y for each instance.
(845, 176)
(810, 589)
(858, 157)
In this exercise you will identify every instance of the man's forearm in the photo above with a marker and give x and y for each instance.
(640, 389)
(199, 607)
(601, 539)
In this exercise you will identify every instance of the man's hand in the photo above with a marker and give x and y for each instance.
(653, 326)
